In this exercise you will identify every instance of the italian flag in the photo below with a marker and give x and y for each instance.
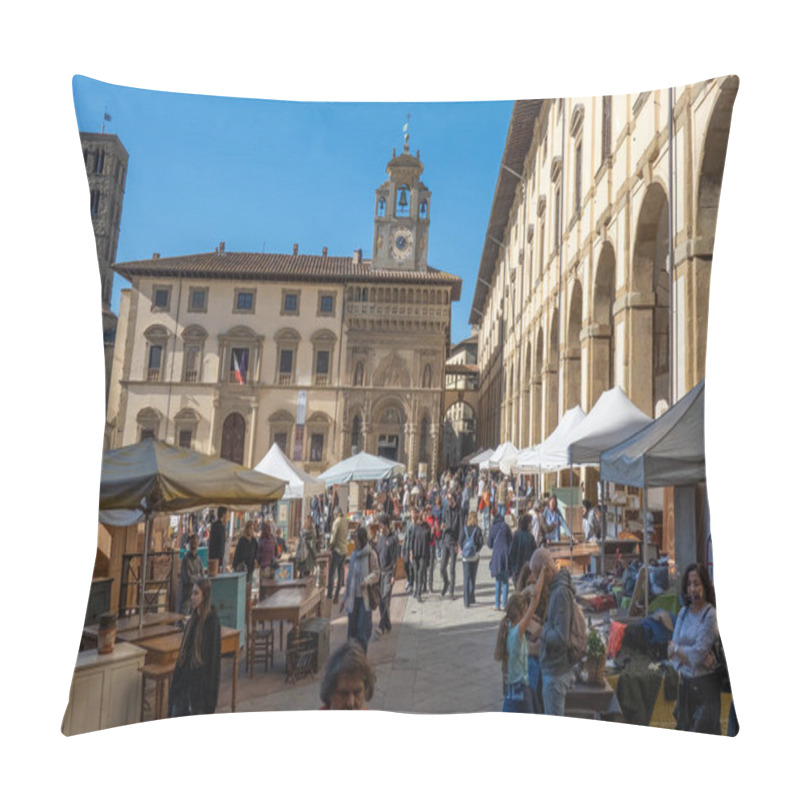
(237, 369)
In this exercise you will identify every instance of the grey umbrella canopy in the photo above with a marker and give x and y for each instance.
(668, 452)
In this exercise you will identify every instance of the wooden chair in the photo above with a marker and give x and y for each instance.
(260, 644)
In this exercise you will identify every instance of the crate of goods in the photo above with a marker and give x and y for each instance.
(320, 630)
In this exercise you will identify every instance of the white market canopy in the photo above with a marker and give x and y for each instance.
(551, 454)
(299, 484)
(361, 467)
(481, 457)
(613, 419)
(668, 452)
(503, 458)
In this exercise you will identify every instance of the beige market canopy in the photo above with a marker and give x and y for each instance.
(153, 477)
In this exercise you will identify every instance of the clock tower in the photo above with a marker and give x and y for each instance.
(402, 216)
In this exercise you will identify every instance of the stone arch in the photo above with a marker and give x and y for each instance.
(602, 329)
(149, 421)
(392, 371)
(233, 436)
(714, 150)
(648, 361)
(387, 428)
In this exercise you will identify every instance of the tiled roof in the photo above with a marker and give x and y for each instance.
(279, 266)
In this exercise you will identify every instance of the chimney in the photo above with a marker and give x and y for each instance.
(221, 250)
(324, 252)
(156, 255)
(294, 249)
(357, 257)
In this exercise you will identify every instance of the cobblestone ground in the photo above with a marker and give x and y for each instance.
(438, 658)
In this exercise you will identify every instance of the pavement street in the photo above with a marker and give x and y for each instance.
(437, 659)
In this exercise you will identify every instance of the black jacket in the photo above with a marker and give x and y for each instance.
(195, 690)
(421, 541)
(451, 524)
(216, 540)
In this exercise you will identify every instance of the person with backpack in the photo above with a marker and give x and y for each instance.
(470, 543)
(500, 544)
(511, 644)
(541, 570)
(554, 657)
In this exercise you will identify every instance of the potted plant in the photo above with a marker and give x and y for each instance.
(596, 658)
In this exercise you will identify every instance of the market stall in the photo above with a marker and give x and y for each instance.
(151, 477)
(300, 488)
(669, 451)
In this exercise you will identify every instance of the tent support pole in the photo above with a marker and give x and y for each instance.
(569, 530)
(148, 526)
(605, 528)
(644, 552)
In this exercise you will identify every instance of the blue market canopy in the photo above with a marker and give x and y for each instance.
(668, 452)
(361, 467)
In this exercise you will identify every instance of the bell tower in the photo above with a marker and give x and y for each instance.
(402, 216)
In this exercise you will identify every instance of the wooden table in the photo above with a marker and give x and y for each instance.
(582, 552)
(291, 605)
(151, 632)
(164, 650)
(270, 587)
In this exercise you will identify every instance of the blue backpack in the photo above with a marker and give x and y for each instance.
(469, 550)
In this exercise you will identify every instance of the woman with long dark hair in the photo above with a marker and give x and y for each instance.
(195, 681)
(691, 650)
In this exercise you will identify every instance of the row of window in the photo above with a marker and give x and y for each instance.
(244, 301)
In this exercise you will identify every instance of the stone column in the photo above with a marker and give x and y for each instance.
(412, 450)
(637, 311)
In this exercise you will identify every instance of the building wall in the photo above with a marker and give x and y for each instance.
(579, 297)
(401, 347)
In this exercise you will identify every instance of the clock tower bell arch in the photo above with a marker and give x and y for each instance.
(402, 216)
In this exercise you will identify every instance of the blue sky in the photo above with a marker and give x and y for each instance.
(261, 175)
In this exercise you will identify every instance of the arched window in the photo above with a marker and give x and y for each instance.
(355, 438)
(402, 203)
(424, 439)
(423, 209)
(156, 336)
(382, 207)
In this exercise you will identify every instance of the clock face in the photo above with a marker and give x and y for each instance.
(401, 244)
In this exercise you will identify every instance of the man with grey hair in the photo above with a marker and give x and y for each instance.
(349, 680)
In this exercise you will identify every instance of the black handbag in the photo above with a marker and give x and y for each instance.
(721, 669)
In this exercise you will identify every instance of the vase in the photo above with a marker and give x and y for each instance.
(106, 634)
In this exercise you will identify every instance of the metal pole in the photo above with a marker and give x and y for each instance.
(148, 526)
(644, 552)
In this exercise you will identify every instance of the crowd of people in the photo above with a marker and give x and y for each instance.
(433, 524)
